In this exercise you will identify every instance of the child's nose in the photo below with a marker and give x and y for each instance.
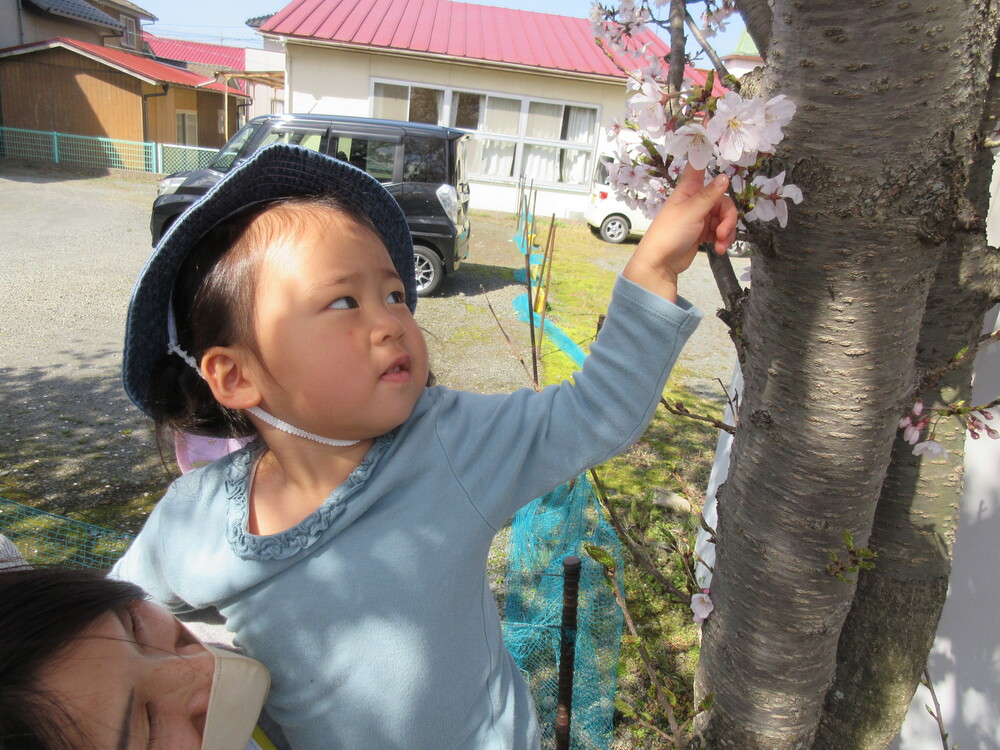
(386, 324)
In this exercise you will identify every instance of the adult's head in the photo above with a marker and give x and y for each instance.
(86, 663)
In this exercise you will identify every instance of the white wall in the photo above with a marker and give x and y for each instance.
(263, 95)
(331, 81)
(965, 660)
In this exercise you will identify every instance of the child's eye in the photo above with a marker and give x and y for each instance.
(397, 298)
(343, 303)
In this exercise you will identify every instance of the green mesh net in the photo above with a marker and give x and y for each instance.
(47, 539)
(543, 533)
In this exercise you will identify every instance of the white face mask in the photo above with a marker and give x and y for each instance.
(239, 689)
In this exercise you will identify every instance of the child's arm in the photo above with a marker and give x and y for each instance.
(692, 214)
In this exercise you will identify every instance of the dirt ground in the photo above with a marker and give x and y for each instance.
(71, 246)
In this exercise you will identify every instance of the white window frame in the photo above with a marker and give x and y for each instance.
(191, 125)
(520, 140)
(130, 35)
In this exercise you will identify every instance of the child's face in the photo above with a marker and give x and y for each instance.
(344, 356)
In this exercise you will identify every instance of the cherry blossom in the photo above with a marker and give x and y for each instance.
(664, 130)
(930, 448)
(701, 606)
(778, 112)
(771, 196)
(737, 125)
(691, 141)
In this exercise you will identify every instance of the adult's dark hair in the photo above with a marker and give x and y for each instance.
(42, 611)
(213, 304)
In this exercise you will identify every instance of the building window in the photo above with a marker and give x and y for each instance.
(187, 128)
(546, 141)
(129, 35)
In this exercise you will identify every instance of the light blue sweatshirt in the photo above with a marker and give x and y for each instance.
(374, 615)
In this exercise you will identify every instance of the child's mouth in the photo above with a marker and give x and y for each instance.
(399, 372)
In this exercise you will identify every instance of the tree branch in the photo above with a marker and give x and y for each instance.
(720, 67)
(677, 58)
(733, 296)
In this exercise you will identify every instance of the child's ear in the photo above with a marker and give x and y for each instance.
(229, 374)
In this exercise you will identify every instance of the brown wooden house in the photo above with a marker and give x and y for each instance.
(70, 86)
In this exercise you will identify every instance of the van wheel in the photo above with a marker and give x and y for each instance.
(615, 228)
(428, 269)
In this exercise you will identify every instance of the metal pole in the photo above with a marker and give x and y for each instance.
(567, 650)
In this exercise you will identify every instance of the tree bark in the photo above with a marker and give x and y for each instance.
(831, 327)
(757, 17)
(891, 626)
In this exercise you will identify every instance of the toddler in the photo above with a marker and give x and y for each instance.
(346, 546)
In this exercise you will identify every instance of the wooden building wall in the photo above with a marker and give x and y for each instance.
(207, 105)
(58, 90)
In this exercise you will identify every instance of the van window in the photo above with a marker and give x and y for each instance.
(305, 137)
(377, 158)
(425, 160)
(223, 161)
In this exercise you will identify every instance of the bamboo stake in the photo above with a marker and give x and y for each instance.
(545, 295)
(531, 318)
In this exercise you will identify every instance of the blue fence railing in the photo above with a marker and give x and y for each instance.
(100, 153)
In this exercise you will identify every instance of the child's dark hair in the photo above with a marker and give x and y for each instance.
(213, 305)
(42, 611)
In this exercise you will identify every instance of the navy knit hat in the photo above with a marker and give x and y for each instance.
(275, 172)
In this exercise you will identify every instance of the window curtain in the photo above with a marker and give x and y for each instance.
(503, 116)
(391, 102)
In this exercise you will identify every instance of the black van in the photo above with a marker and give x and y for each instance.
(422, 166)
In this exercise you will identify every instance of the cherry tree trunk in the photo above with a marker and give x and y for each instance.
(837, 328)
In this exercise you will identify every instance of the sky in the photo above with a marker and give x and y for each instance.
(223, 21)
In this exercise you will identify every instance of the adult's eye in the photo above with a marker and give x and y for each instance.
(343, 303)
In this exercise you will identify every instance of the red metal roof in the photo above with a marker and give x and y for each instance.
(232, 58)
(129, 62)
(465, 30)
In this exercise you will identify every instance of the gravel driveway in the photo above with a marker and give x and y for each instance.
(71, 246)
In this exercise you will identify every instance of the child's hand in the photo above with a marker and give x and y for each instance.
(694, 213)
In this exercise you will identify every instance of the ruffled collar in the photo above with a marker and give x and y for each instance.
(304, 534)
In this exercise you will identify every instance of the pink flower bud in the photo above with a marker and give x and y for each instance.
(994, 435)
(911, 434)
(918, 408)
(976, 424)
(904, 423)
(987, 415)
(973, 434)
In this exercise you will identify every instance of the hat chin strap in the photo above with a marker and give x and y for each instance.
(174, 348)
(293, 430)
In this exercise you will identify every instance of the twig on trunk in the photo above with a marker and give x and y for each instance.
(635, 548)
(936, 712)
(678, 737)
(931, 379)
(681, 411)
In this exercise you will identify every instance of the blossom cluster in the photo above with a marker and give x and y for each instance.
(716, 17)
(914, 424)
(663, 131)
(701, 606)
